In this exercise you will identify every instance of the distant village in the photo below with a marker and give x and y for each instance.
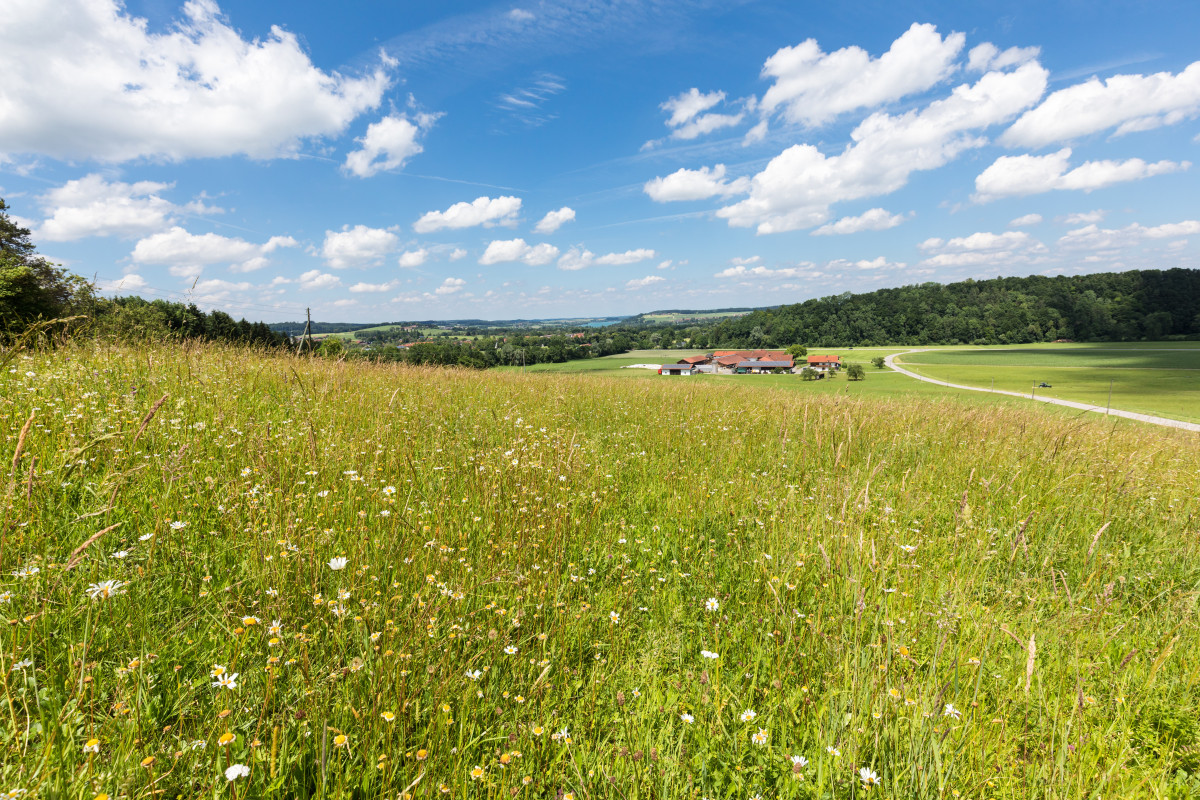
(751, 362)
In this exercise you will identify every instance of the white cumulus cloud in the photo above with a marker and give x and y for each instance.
(1026, 220)
(876, 219)
(505, 250)
(84, 79)
(486, 211)
(688, 119)
(797, 187)
(1011, 176)
(1092, 237)
(450, 286)
(413, 258)
(694, 184)
(642, 283)
(187, 253)
(93, 206)
(813, 87)
(554, 220)
(359, 246)
(362, 286)
(1126, 102)
(315, 279)
(981, 249)
(987, 56)
(388, 143)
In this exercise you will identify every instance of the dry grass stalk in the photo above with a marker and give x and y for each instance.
(1029, 661)
(1096, 540)
(77, 553)
(21, 441)
(1020, 540)
(149, 416)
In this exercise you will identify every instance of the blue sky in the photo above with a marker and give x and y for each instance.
(562, 158)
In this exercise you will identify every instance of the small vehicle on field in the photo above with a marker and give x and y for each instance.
(1044, 385)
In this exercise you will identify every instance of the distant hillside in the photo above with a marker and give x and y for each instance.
(1140, 304)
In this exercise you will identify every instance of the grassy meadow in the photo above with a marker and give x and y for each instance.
(1154, 378)
(229, 574)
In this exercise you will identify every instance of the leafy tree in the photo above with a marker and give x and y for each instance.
(30, 286)
(808, 374)
(878, 362)
(797, 351)
(855, 372)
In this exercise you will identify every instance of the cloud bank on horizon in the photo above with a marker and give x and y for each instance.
(529, 160)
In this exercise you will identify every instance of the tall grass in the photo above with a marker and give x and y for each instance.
(915, 590)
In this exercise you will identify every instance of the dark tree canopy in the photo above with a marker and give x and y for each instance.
(32, 288)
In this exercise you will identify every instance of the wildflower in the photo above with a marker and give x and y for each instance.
(148, 761)
(178, 526)
(236, 771)
(708, 654)
(711, 604)
(833, 751)
(226, 738)
(908, 548)
(688, 718)
(226, 681)
(951, 711)
(119, 554)
(250, 621)
(6, 597)
(388, 716)
(511, 650)
(217, 671)
(761, 737)
(748, 715)
(341, 740)
(474, 674)
(614, 617)
(92, 746)
(23, 664)
(476, 772)
(276, 628)
(868, 777)
(537, 730)
(105, 589)
(799, 763)
(337, 563)
(25, 572)
(422, 754)
(894, 693)
(145, 537)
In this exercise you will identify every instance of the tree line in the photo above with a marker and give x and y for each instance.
(1140, 304)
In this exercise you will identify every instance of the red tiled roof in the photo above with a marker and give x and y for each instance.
(824, 359)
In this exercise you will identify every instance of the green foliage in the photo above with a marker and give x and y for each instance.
(808, 374)
(797, 351)
(879, 362)
(32, 288)
(855, 372)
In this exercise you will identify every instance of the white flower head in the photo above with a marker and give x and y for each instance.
(337, 563)
(868, 777)
(236, 771)
(711, 604)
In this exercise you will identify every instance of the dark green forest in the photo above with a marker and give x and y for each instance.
(1140, 304)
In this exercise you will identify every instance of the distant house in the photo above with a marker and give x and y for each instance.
(825, 363)
(763, 366)
(676, 369)
(730, 362)
(695, 360)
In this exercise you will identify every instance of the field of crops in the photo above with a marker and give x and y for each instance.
(234, 574)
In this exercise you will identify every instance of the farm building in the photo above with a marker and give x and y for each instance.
(730, 362)
(676, 369)
(825, 363)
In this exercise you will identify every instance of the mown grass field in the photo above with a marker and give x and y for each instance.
(230, 574)
(1150, 379)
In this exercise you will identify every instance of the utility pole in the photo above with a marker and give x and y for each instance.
(993, 384)
(306, 337)
(1109, 408)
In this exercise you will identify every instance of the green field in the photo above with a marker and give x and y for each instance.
(361, 581)
(1149, 379)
